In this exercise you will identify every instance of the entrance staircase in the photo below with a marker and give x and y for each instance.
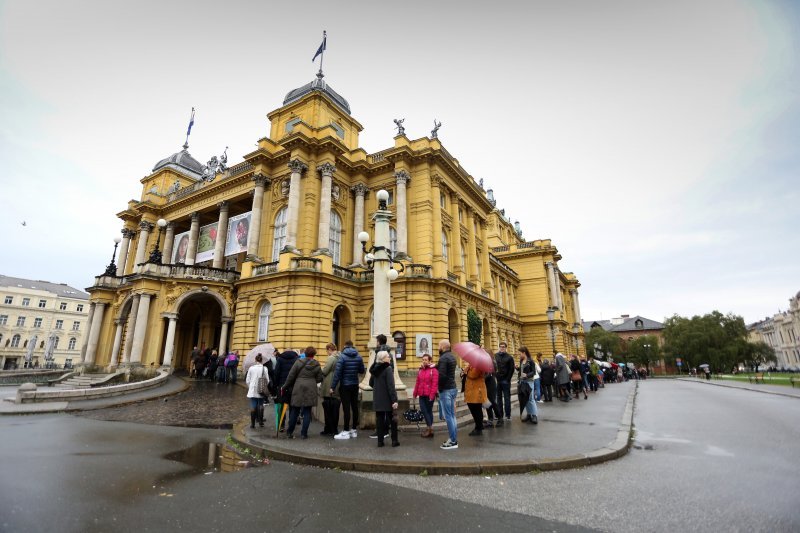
(86, 381)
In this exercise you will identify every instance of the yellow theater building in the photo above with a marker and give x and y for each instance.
(268, 251)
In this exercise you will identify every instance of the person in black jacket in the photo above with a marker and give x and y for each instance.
(504, 375)
(547, 377)
(384, 397)
(447, 392)
(345, 377)
(491, 393)
(283, 365)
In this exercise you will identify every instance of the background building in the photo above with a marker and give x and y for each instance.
(780, 332)
(41, 323)
(267, 250)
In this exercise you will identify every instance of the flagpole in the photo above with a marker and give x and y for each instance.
(189, 131)
(322, 55)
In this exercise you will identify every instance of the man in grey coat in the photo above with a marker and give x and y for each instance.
(562, 378)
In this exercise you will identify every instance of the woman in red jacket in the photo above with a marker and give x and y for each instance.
(426, 388)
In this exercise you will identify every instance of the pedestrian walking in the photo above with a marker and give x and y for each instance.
(384, 397)
(330, 396)
(303, 379)
(475, 395)
(527, 376)
(254, 373)
(447, 393)
(348, 368)
(232, 366)
(426, 389)
(562, 378)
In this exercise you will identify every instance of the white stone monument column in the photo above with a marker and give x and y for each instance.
(169, 242)
(141, 329)
(127, 235)
(141, 248)
(85, 340)
(293, 209)
(360, 192)
(223, 336)
(131, 327)
(324, 230)
(169, 346)
(94, 333)
(402, 178)
(222, 236)
(117, 340)
(255, 218)
(194, 235)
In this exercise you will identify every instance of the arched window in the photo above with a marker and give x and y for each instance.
(279, 237)
(72, 342)
(25, 344)
(335, 237)
(263, 321)
(15, 341)
(371, 323)
(444, 247)
(392, 240)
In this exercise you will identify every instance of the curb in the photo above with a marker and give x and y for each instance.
(718, 384)
(613, 450)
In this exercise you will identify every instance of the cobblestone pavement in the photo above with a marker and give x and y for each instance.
(204, 404)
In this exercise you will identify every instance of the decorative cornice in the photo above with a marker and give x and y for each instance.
(402, 177)
(297, 166)
(326, 169)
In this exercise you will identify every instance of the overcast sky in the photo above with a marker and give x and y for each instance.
(656, 143)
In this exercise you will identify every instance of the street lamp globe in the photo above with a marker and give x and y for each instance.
(551, 313)
(392, 274)
(363, 237)
(161, 223)
(117, 240)
(369, 258)
(382, 196)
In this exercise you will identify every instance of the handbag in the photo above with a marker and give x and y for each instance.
(576, 375)
(413, 414)
(262, 387)
(486, 404)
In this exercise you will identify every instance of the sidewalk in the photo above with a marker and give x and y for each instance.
(780, 390)
(569, 435)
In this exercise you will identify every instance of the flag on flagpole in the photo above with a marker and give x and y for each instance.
(321, 46)
(191, 123)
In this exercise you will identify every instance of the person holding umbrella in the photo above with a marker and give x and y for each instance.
(475, 396)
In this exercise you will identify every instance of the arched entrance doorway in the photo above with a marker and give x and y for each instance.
(199, 324)
(341, 326)
(454, 331)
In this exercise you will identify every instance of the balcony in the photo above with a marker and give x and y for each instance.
(452, 277)
(268, 268)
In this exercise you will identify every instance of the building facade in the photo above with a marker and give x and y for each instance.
(41, 323)
(780, 332)
(267, 250)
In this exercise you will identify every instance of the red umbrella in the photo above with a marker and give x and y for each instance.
(475, 356)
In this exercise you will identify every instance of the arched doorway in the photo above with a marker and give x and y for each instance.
(454, 331)
(199, 324)
(341, 326)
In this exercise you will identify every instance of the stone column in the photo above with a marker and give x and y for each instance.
(126, 350)
(553, 286)
(194, 235)
(402, 177)
(437, 260)
(223, 336)
(141, 248)
(323, 233)
(169, 347)
(127, 235)
(222, 236)
(360, 192)
(94, 332)
(577, 307)
(85, 340)
(560, 297)
(255, 219)
(169, 242)
(455, 201)
(293, 209)
(487, 268)
(117, 340)
(141, 329)
(472, 259)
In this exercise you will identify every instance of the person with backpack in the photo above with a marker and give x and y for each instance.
(231, 366)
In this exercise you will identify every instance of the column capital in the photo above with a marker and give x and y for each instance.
(436, 180)
(223, 206)
(171, 316)
(297, 166)
(128, 233)
(261, 180)
(326, 169)
(402, 177)
(170, 225)
(359, 189)
(146, 226)
(195, 216)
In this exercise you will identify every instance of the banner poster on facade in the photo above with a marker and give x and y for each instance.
(180, 248)
(424, 341)
(205, 242)
(238, 234)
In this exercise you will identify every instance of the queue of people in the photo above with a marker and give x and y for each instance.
(208, 364)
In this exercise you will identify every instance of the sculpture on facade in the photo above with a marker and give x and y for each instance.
(215, 166)
(435, 130)
(399, 125)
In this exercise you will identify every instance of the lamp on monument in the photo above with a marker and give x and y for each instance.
(111, 269)
(155, 255)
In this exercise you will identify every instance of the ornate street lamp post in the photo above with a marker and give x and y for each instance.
(155, 255)
(382, 263)
(577, 329)
(551, 313)
(111, 269)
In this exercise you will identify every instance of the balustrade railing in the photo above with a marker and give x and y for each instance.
(267, 268)
(416, 270)
(452, 277)
(305, 263)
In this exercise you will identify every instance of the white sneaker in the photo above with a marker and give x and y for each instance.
(449, 445)
(344, 435)
(353, 433)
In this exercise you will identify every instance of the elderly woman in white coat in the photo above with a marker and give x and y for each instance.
(255, 372)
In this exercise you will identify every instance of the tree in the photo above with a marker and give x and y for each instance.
(757, 354)
(715, 339)
(474, 326)
(644, 351)
(607, 343)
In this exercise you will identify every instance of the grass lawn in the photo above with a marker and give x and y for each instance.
(773, 379)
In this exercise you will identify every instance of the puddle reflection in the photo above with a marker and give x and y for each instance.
(207, 458)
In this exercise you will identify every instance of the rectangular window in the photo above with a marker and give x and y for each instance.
(9, 300)
(26, 302)
(37, 322)
(42, 304)
(460, 215)
(59, 324)
(80, 308)
(3, 320)
(76, 326)
(442, 200)
(63, 306)
(20, 321)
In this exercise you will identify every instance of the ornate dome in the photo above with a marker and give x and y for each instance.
(318, 85)
(181, 161)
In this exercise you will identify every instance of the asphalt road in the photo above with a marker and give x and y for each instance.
(705, 459)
